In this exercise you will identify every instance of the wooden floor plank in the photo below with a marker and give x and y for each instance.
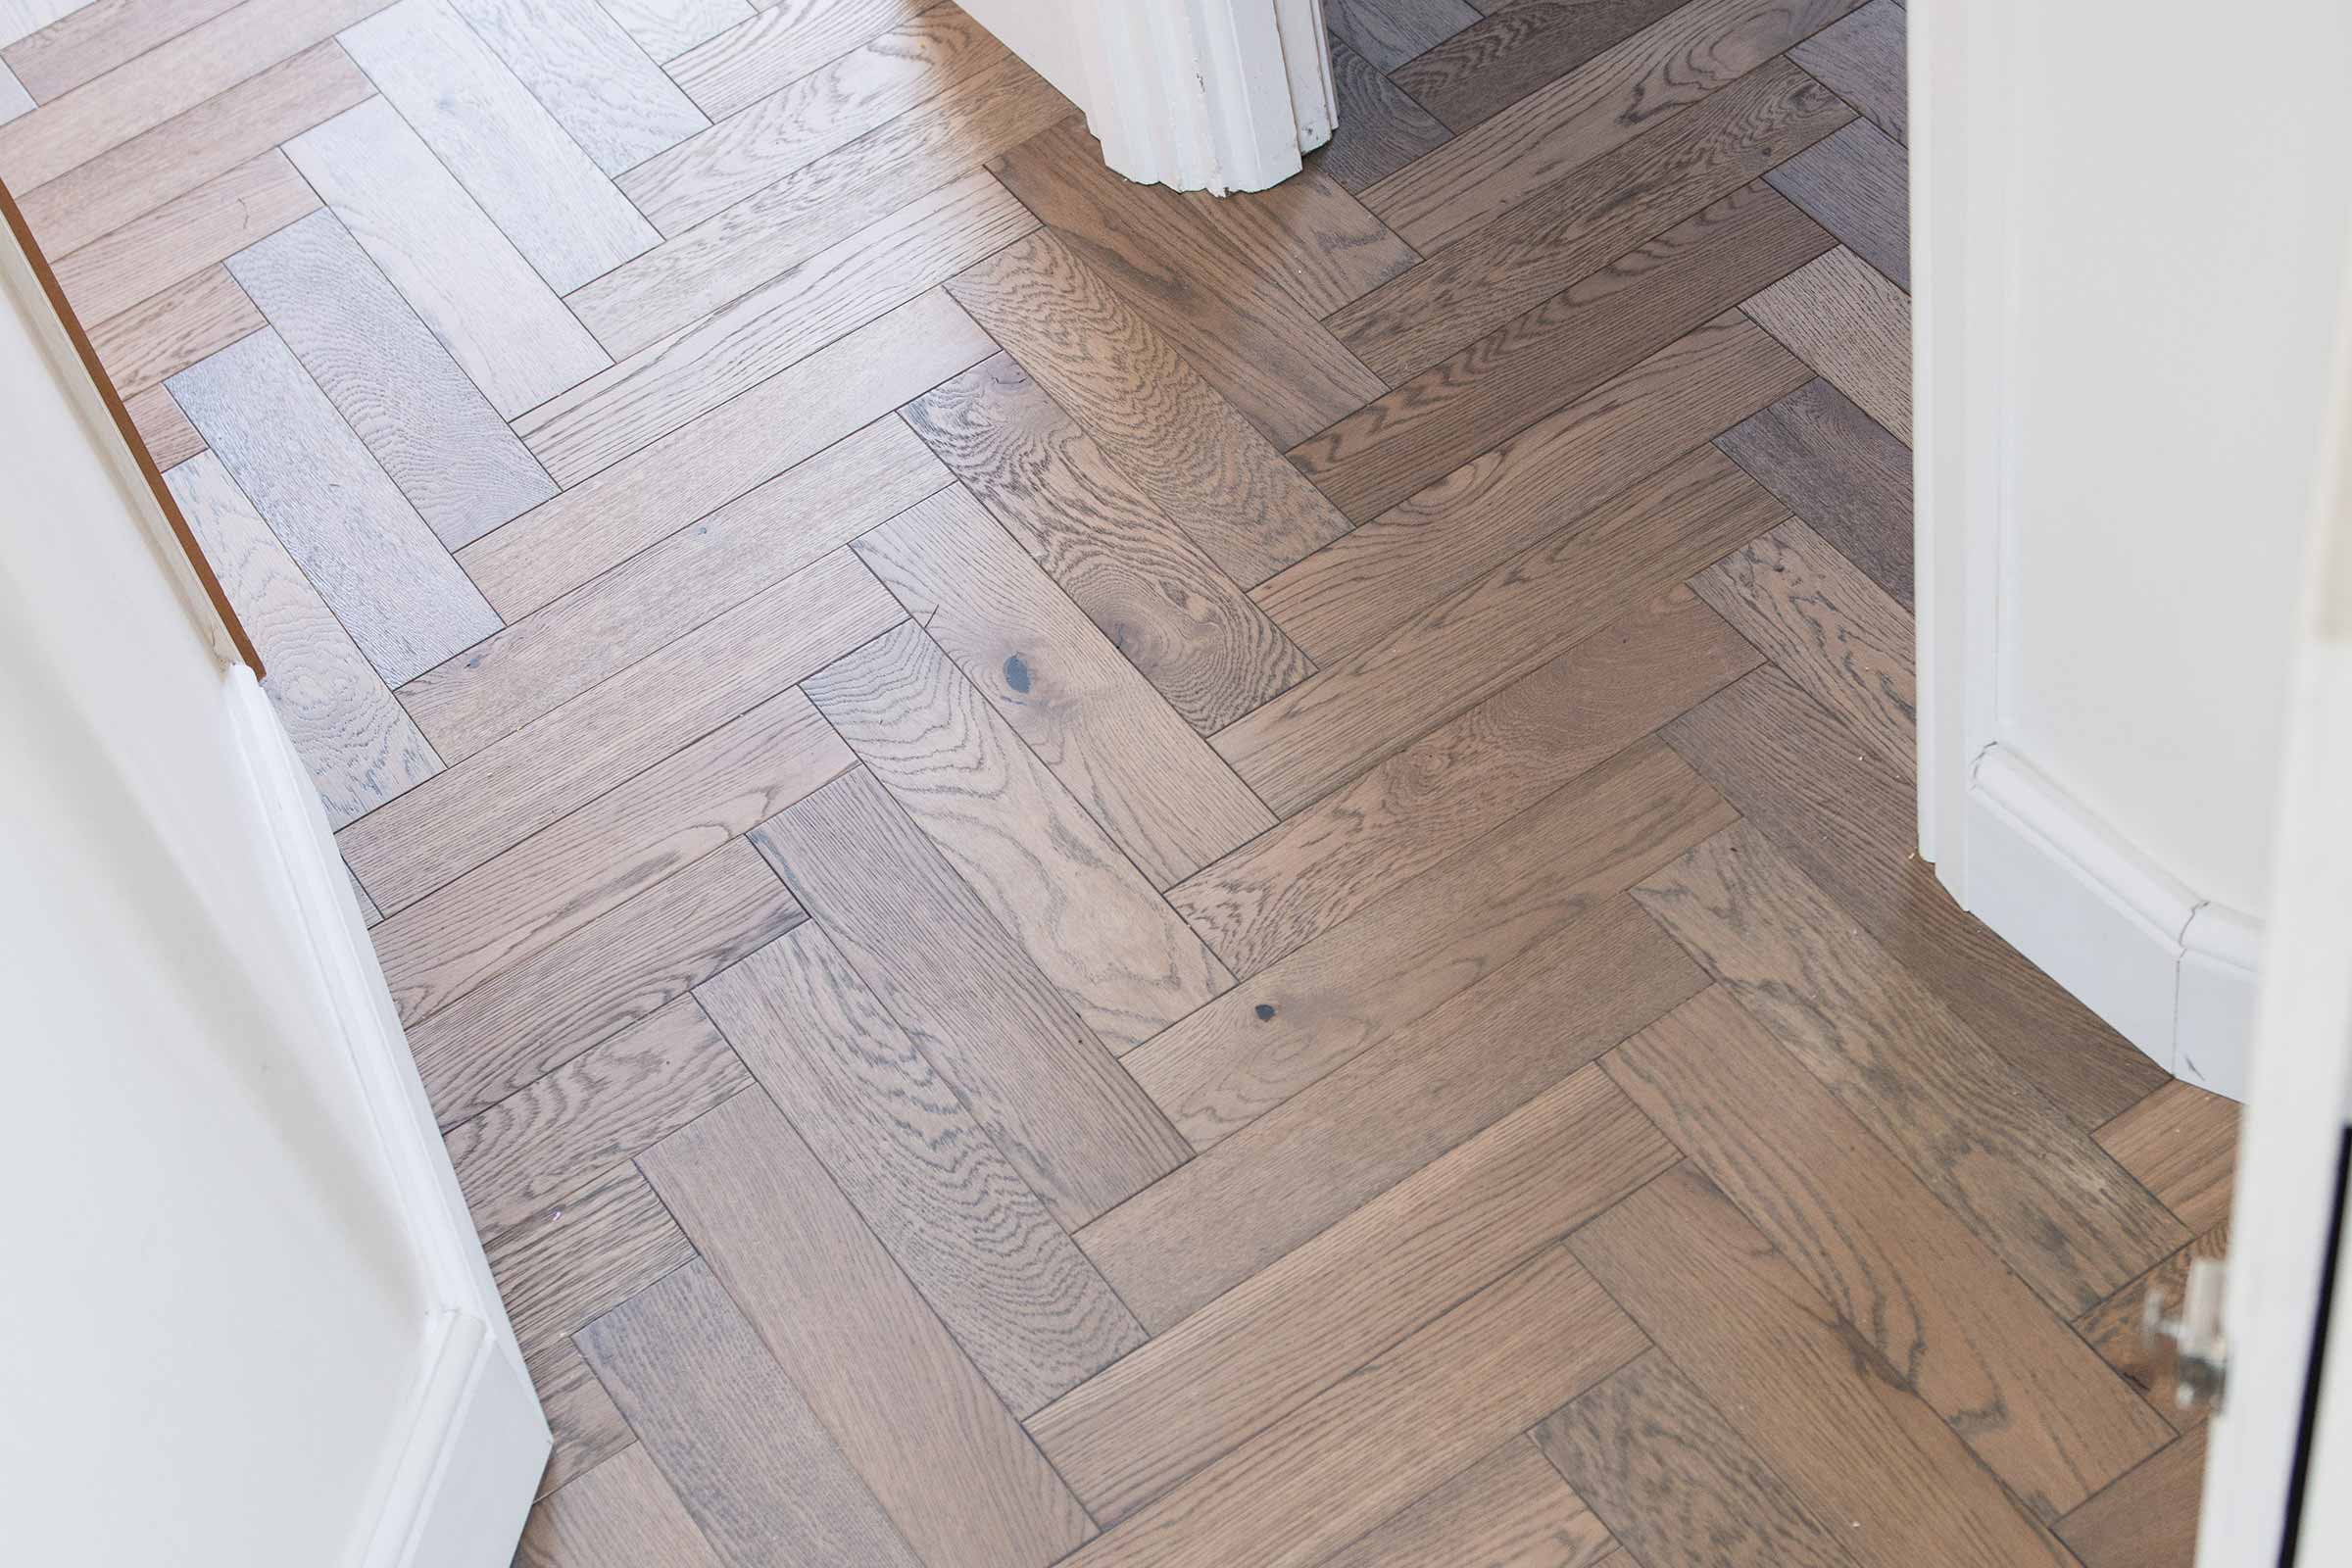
(584, 1254)
(1353, 849)
(1389, 33)
(395, 385)
(1363, 1449)
(1209, 651)
(494, 314)
(622, 1515)
(2113, 1329)
(788, 526)
(667, 28)
(1853, 1443)
(92, 40)
(2031, 1185)
(1077, 1129)
(1576, 226)
(1201, 464)
(164, 334)
(165, 431)
(1308, 237)
(1019, 1297)
(701, 466)
(2149, 1518)
(1860, 59)
(751, 1461)
(778, 45)
(581, 1417)
(359, 748)
(1840, 471)
(1840, 317)
(1093, 925)
(1521, 45)
(1357, 710)
(665, 383)
(1138, 769)
(2044, 1413)
(963, 1483)
(543, 193)
(614, 972)
(1340, 1142)
(1857, 185)
(1510, 1509)
(1675, 60)
(14, 101)
(1380, 129)
(1372, 580)
(183, 237)
(1364, 981)
(2181, 1143)
(1590, 331)
(346, 524)
(590, 74)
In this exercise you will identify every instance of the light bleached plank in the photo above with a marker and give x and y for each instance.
(590, 74)
(14, 99)
(391, 380)
(532, 180)
(1840, 315)
(781, 44)
(183, 237)
(496, 315)
(356, 537)
(165, 333)
(621, 1514)
(91, 40)
(667, 28)
(361, 749)
(584, 1254)
(21, 18)
(165, 431)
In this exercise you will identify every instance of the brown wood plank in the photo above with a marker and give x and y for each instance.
(165, 431)
(1860, 58)
(1308, 236)
(594, 1112)
(1857, 185)
(1825, 800)
(1590, 331)
(1389, 33)
(751, 1461)
(1364, 981)
(2181, 1143)
(622, 1515)
(92, 39)
(1518, 615)
(2113, 1328)
(583, 1254)
(644, 955)
(2033, 1186)
(2042, 1411)
(1129, 760)
(183, 237)
(1840, 471)
(1201, 464)
(163, 335)
(1509, 1511)
(1817, 1404)
(1520, 46)
(1675, 1483)
(2149, 1518)
(1357, 845)
(1574, 228)
(1340, 1142)
(1364, 1449)
(1077, 1128)
(580, 1415)
(1018, 1296)
(961, 1481)
(1380, 129)
(1530, 487)
(1209, 651)
(1676, 60)
(1841, 317)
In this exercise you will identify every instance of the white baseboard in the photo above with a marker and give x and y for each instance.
(2171, 970)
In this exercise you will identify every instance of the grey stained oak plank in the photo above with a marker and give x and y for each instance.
(1843, 319)
(779, 44)
(1840, 471)
(667, 28)
(580, 1415)
(1860, 59)
(2149, 1518)
(579, 62)
(1380, 129)
(1308, 237)
(1509, 1511)
(1192, 632)
(183, 237)
(583, 1254)
(1389, 33)
(1520, 46)
(2181, 1143)
(1077, 1129)
(1019, 1297)
(1857, 185)
(164, 334)
(622, 1515)
(963, 1484)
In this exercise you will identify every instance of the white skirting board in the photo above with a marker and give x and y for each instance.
(2172, 971)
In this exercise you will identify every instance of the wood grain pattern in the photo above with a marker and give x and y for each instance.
(1676, 60)
(494, 314)
(356, 537)
(2181, 1143)
(1574, 228)
(1840, 317)
(1821, 1408)
(591, 75)
(1520, 46)
(1389, 33)
(667, 28)
(395, 385)
(1338, 1144)
(359, 748)
(2033, 1187)
(2149, 1518)
(2113, 1329)
(622, 1515)
(1531, 487)
(1860, 59)
(1047, 874)
(1018, 1296)
(1201, 464)
(1201, 642)
(584, 1254)
(1135, 766)
(963, 1484)
(2043, 1412)
(1380, 129)
(751, 1461)
(1509, 1511)
(165, 431)
(1505, 381)
(617, 970)
(602, 521)
(779, 44)
(1079, 1131)
(792, 525)
(1307, 237)
(1474, 913)
(595, 1111)
(1357, 710)
(580, 1415)
(1857, 185)
(1353, 847)
(165, 333)
(14, 101)
(1840, 471)
(89, 40)
(183, 237)
(1365, 1448)
(370, 916)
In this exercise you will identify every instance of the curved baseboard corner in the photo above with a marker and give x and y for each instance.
(2171, 969)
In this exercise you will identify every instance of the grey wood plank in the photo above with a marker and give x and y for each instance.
(667, 28)
(1839, 471)
(1380, 129)
(344, 521)
(781, 43)
(494, 314)
(14, 99)
(580, 1415)
(584, 1254)
(1857, 185)
(1389, 33)
(621, 1514)
(391, 380)
(1840, 317)
(1860, 59)
(593, 77)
